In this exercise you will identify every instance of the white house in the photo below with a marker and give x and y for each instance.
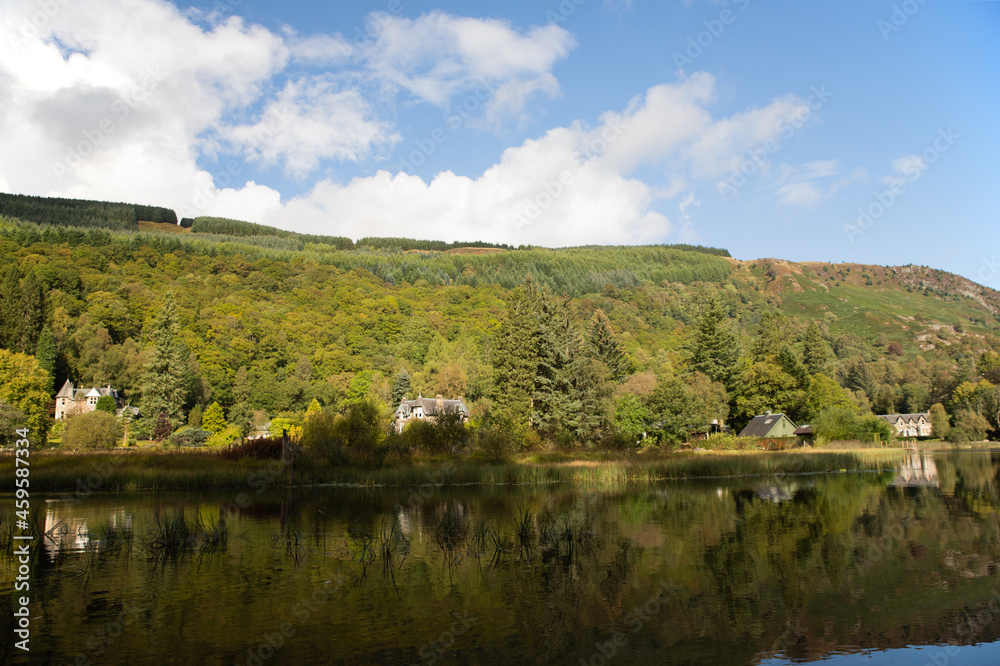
(71, 400)
(910, 425)
(425, 408)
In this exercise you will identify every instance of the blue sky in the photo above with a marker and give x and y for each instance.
(848, 131)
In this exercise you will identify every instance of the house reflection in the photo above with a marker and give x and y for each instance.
(67, 528)
(918, 470)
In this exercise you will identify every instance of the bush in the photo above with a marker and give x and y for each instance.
(189, 437)
(727, 442)
(445, 434)
(106, 404)
(499, 437)
(261, 448)
(94, 430)
(842, 423)
(969, 427)
(231, 434)
(363, 432)
(320, 439)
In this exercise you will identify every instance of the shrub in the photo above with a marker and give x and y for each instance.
(189, 437)
(729, 442)
(841, 423)
(969, 427)
(363, 431)
(320, 439)
(499, 437)
(445, 434)
(213, 419)
(261, 448)
(94, 430)
(106, 404)
(231, 434)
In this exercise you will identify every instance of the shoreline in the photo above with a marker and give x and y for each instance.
(84, 473)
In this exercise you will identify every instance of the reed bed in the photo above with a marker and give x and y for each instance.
(80, 475)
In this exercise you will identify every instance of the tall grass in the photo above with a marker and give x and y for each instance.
(198, 470)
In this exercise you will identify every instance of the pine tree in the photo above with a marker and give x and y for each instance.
(400, 387)
(10, 313)
(47, 356)
(604, 346)
(514, 357)
(165, 380)
(816, 352)
(715, 350)
(552, 398)
(32, 314)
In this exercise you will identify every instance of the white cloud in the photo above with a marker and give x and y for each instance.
(312, 120)
(125, 98)
(438, 57)
(804, 186)
(571, 186)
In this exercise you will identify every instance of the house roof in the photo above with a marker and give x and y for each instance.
(892, 418)
(66, 391)
(430, 406)
(761, 425)
(804, 430)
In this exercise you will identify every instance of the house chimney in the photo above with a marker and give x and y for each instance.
(440, 402)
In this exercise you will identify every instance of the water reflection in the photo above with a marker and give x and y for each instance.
(778, 570)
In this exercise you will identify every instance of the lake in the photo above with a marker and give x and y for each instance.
(897, 567)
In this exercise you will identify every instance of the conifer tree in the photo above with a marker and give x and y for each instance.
(816, 352)
(514, 357)
(400, 387)
(716, 348)
(10, 299)
(165, 378)
(604, 346)
(214, 419)
(47, 356)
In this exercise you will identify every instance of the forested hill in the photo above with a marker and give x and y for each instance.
(269, 320)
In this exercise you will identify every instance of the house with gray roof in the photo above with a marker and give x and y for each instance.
(71, 400)
(427, 409)
(910, 425)
(769, 425)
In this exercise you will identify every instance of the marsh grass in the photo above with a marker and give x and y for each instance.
(171, 534)
(196, 470)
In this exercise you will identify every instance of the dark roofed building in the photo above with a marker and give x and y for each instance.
(769, 425)
(427, 408)
(910, 425)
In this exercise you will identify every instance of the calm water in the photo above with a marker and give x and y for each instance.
(892, 568)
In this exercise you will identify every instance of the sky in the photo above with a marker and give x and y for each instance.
(850, 131)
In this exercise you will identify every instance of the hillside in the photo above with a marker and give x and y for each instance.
(270, 320)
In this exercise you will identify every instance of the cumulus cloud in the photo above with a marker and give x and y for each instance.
(128, 99)
(438, 56)
(311, 120)
(573, 185)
